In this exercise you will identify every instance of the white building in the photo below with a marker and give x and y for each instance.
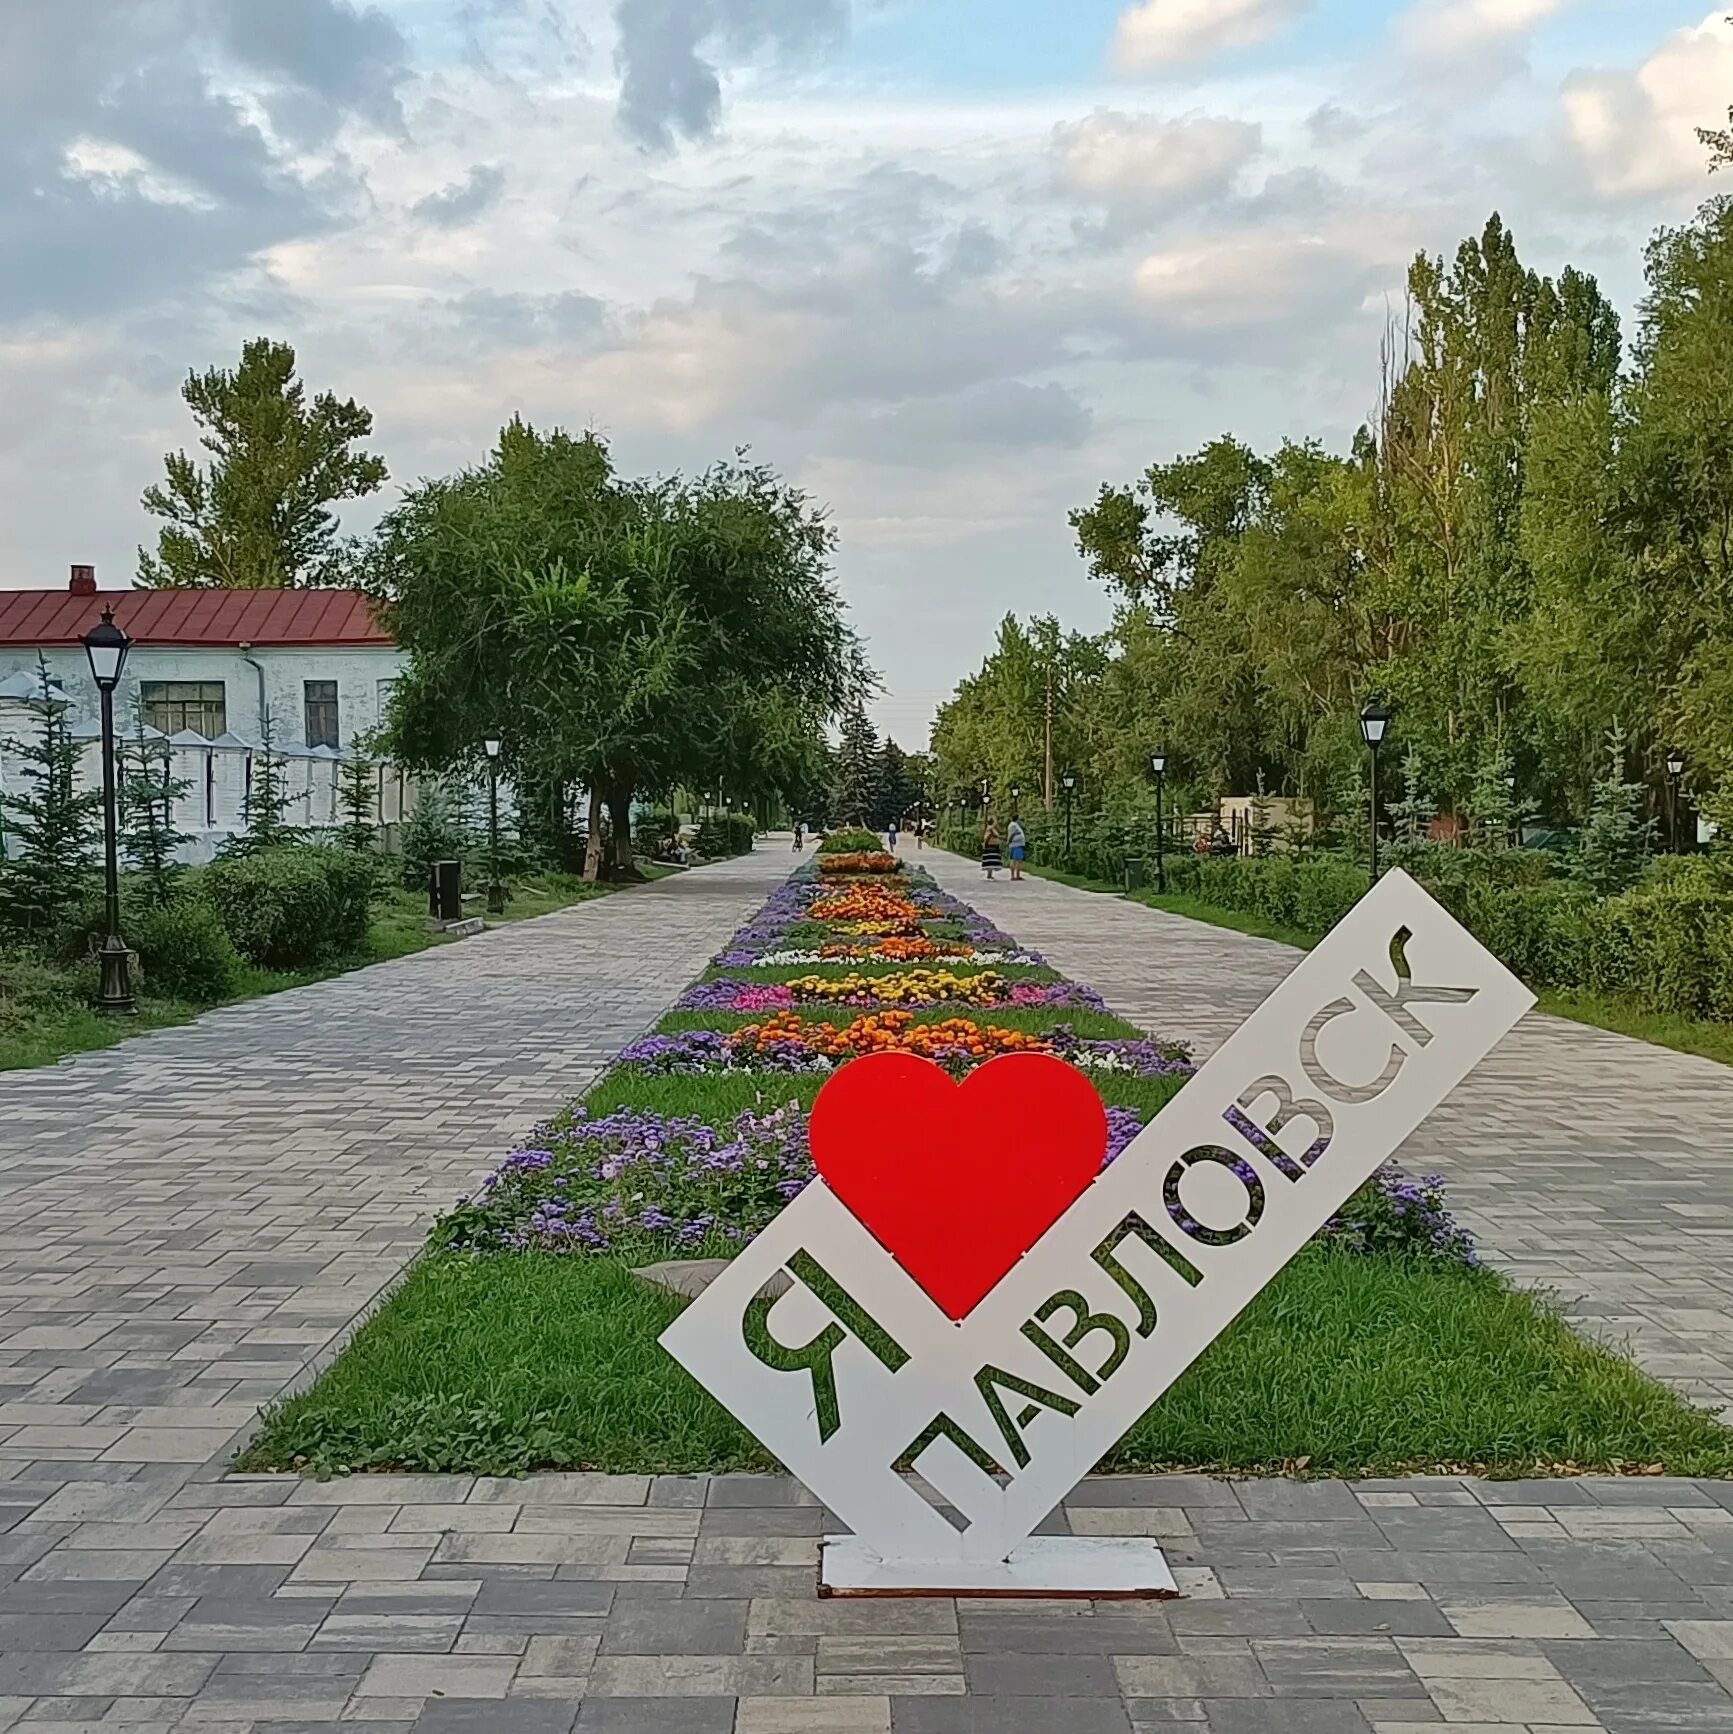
(205, 670)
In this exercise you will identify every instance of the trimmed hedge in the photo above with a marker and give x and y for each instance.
(294, 907)
(1666, 945)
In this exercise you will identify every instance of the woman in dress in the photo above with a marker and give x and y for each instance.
(991, 860)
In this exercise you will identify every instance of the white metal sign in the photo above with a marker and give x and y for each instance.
(855, 1370)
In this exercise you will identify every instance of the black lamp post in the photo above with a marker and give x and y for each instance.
(1675, 770)
(1158, 764)
(106, 645)
(1016, 796)
(1374, 723)
(1513, 829)
(1070, 782)
(495, 889)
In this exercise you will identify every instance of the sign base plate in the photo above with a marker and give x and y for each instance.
(1058, 1566)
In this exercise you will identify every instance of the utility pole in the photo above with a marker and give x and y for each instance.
(1047, 776)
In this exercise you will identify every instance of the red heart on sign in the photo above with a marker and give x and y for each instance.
(982, 1171)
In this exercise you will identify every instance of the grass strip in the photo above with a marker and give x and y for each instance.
(1344, 1366)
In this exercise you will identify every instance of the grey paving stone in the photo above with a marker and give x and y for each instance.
(656, 1716)
(514, 1716)
(1040, 1676)
(1102, 1634)
(1339, 1617)
(682, 1628)
(1004, 1716)
(1249, 1716)
(1623, 1662)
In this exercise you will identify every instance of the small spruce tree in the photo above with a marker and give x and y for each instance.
(358, 797)
(1413, 814)
(264, 811)
(1263, 831)
(1498, 812)
(435, 831)
(148, 839)
(52, 828)
(1616, 836)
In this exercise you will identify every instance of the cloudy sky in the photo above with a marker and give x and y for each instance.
(948, 263)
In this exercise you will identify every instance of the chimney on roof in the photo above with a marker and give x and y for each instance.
(83, 581)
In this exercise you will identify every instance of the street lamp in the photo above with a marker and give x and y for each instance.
(1070, 782)
(1016, 795)
(1374, 723)
(1675, 770)
(1513, 826)
(1158, 764)
(106, 645)
(495, 890)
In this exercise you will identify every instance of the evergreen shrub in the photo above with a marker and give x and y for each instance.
(293, 907)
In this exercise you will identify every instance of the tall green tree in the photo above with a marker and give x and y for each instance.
(616, 634)
(855, 782)
(258, 514)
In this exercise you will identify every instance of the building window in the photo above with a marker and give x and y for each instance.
(176, 706)
(322, 714)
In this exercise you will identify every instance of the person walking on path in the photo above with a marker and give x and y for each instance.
(799, 836)
(1018, 840)
(991, 860)
(891, 835)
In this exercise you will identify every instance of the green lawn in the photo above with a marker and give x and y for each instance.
(1344, 1366)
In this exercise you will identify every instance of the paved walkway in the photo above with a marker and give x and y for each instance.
(193, 1219)
(1596, 1166)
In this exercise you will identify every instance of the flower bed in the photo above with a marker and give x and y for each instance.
(654, 1184)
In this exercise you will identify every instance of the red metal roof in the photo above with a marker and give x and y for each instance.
(208, 617)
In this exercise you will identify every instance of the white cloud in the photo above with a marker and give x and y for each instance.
(1158, 34)
(1456, 27)
(1636, 131)
(1142, 166)
(1263, 292)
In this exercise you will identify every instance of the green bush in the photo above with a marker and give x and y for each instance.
(724, 834)
(185, 952)
(294, 907)
(1663, 946)
(1543, 932)
(850, 842)
(652, 827)
(31, 986)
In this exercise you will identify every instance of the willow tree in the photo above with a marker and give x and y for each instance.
(621, 635)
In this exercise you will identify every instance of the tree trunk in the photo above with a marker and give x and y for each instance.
(593, 861)
(621, 866)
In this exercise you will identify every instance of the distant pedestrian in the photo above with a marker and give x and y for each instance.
(799, 836)
(991, 861)
(920, 833)
(891, 836)
(1018, 840)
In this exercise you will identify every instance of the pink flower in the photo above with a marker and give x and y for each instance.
(775, 997)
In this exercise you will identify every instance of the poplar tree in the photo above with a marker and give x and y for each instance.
(258, 516)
